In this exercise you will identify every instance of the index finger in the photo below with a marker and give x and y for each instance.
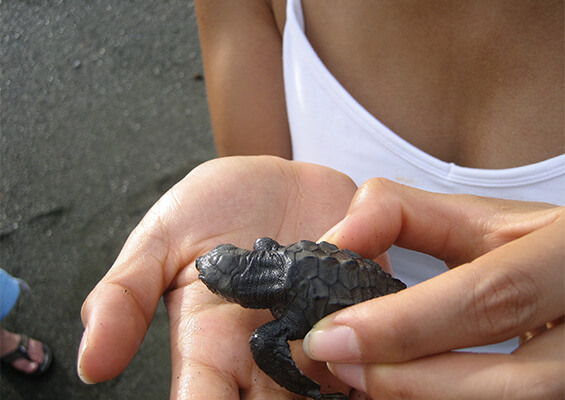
(453, 228)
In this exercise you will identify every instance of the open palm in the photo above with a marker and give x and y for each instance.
(230, 200)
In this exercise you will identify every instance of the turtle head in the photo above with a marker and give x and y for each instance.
(249, 278)
(220, 267)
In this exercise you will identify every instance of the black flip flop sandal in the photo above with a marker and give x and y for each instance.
(22, 352)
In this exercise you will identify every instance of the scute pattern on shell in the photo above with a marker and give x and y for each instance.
(323, 279)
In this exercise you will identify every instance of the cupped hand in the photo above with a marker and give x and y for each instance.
(506, 279)
(229, 200)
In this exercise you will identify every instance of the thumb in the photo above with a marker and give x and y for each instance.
(119, 310)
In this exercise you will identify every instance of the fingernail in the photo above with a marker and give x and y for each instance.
(81, 351)
(336, 343)
(351, 374)
(83, 378)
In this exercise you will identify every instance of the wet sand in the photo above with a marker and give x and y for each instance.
(102, 110)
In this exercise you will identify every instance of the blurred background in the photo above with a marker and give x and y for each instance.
(103, 108)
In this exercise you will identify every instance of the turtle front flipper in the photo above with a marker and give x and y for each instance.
(270, 349)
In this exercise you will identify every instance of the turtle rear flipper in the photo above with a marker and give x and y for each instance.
(270, 349)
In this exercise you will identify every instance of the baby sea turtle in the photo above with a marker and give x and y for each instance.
(300, 284)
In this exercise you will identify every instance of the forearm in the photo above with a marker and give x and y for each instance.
(242, 49)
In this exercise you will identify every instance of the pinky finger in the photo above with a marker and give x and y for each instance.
(534, 371)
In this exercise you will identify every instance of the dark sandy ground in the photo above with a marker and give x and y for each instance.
(102, 109)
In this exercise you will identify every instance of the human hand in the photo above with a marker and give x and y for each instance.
(509, 282)
(229, 200)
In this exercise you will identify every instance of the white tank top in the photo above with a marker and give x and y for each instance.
(329, 127)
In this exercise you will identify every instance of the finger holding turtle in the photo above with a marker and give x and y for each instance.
(506, 279)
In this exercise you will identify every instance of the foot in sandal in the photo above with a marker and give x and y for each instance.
(26, 355)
